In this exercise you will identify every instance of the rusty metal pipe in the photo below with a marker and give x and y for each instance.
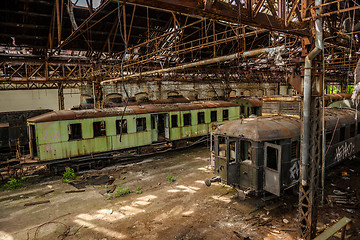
(319, 46)
(201, 63)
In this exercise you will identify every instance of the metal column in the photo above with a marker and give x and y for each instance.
(61, 96)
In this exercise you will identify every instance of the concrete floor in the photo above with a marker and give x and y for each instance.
(182, 209)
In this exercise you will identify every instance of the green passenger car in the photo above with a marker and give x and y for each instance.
(72, 133)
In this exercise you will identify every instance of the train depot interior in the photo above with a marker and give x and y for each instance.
(179, 119)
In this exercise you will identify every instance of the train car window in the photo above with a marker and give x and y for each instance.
(75, 131)
(187, 119)
(358, 130)
(174, 121)
(222, 146)
(245, 150)
(272, 158)
(232, 147)
(201, 117)
(213, 116)
(99, 129)
(294, 149)
(118, 126)
(242, 110)
(225, 114)
(342, 134)
(352, 130)
(140, 124)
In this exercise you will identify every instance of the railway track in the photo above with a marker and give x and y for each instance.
(17, 168)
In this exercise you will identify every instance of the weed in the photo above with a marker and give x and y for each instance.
(69, 175)
(13, 183)
(170, 178)
(138, 190)
(120, 192)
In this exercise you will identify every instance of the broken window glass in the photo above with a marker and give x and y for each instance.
(118, 126)
(75, 131)
(99, 129)
(140, 124)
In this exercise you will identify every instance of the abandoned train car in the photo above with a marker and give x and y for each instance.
(67, 134)
(263, 153)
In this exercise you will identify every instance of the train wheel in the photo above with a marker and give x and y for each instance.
(99, 165)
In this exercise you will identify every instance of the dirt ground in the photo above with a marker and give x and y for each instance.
(169, 201)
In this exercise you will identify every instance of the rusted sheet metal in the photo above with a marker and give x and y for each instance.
(262, 128)
(337, 96)
(286, 98)
(281, 127)
(339, 116)
(130, 110)
(255, 102)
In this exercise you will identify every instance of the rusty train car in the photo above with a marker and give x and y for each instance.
(13, 132)
(262, 154)
(77, 135)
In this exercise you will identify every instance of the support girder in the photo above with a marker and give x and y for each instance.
(222, 11)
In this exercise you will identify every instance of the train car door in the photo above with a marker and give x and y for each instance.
(232, 158)
(167, 126)
(272, 168)
(154, 132)
(33, 147)
(161, 127)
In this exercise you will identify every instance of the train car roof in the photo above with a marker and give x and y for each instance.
(130, 110)
(261, 128)
(280, 127)
(254, 102)
(335, 116)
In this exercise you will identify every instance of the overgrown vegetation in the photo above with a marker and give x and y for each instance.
(69, 175)
(170, 178)
(13, 183)
(120, 192)
(138, 190)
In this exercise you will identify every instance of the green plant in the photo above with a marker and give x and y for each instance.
(138, 190)
(13, 183)
(170, 178)
(120, 192)
(69, 175)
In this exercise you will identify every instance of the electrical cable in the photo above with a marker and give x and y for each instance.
(122, 71)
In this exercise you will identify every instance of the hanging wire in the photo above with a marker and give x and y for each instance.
(122, 71)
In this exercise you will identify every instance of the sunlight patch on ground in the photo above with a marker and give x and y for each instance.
(103, 214)
(143, 201)
(129, 210)
(278, 236)
(140, 203)
(108, 232)
(176, 210)
(147, 198)
(200, 181)
(5, 236)
(222, 198)
(111, 215)
(205, 169)
(174, 190)
(189, 189)
(186, 189)
(187, 213)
